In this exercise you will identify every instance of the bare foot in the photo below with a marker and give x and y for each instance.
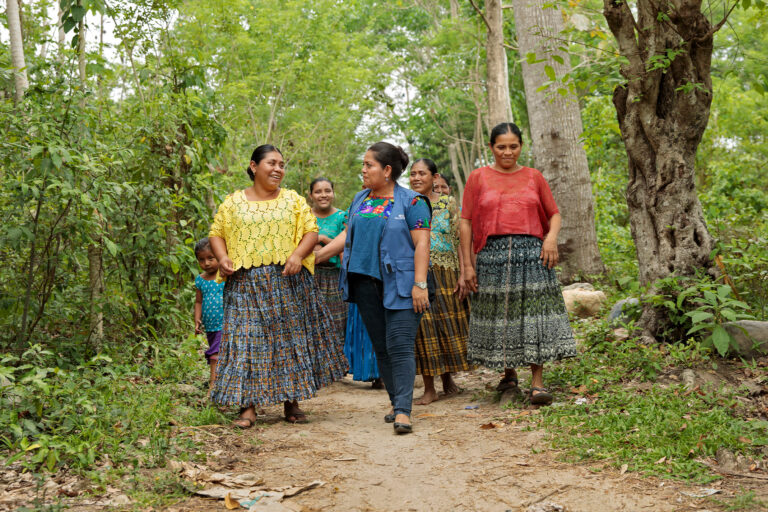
(429, 396)
(449, 386)
(246, 419)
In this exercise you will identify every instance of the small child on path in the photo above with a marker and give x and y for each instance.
(209, 307)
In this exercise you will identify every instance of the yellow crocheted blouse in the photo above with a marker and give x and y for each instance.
(264, 232)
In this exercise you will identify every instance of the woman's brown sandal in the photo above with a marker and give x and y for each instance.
(294, 414)
(507, 383)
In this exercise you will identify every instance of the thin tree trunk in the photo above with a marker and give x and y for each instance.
(17, 49)
(662, 124)
(555, 123)
(454, 8)
(499, 107)
(455, 169)
(61, 34)
(95, 248)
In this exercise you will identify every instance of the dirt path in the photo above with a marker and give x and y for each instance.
(448, 463)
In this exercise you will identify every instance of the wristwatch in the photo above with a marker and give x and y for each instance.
(420, 284)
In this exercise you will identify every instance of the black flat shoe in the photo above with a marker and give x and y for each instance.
(389, 418)
(403, 428)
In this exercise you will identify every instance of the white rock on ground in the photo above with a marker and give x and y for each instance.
(584, 303)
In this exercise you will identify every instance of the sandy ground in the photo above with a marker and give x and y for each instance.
(448, 463)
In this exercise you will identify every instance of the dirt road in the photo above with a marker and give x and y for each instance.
(448, 463)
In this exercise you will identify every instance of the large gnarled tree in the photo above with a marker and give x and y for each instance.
(663, 110)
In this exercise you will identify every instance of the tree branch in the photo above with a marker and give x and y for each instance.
(623, 26)
(485, 20)
(719, 25)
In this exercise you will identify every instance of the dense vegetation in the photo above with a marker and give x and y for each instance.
(122, 165)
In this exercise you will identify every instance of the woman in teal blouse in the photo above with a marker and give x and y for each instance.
(330, 222)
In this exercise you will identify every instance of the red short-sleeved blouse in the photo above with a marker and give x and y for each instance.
(500, 203)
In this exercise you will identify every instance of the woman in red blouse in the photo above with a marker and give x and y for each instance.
(510, 221)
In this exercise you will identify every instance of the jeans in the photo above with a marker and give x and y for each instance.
(393, 333)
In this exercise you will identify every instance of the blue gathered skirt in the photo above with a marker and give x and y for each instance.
(358, 348)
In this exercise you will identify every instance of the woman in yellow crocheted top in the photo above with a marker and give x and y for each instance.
(278, 342)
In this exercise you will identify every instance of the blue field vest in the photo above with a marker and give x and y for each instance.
(396, 250)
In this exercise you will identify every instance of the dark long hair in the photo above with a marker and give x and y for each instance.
(259, 154)
(432, 166)
(390, 155)
(502, 128)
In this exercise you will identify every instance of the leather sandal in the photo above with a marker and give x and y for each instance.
(389, 418)
(507, 383)
(294, 415)
(543, 397)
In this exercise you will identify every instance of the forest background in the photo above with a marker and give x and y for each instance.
(140, 116)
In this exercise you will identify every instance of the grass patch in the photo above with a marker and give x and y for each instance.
(654, 429)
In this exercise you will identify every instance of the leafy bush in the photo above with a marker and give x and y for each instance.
(698, 306)
(102, 409)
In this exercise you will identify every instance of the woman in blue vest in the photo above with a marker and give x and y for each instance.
(384, 270)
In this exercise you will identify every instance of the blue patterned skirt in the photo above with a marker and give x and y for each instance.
(327, 280)
(279, 342)
(518, 315)
(359, 349)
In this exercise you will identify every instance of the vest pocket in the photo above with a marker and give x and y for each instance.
(404, 276)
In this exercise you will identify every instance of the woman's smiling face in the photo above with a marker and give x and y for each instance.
(322, 195)
(270, 170)
(421, 178)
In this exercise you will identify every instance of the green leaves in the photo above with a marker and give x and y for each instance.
(550, 72)
(721, 339)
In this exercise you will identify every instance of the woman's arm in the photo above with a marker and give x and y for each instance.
(421, 240)
(549, 256)
(293, 263)
(334, 247)
(467, 264)
(219, 247)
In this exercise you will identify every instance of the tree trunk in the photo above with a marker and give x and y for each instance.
(556, 128)
(499, 107)
(454, 8)
(17, 49)
(455, 170)
(95, 248)
(663, 110)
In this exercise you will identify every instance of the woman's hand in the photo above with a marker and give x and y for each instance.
(226, 267)
(549, 256)
(469, 281)
(420, 299)
(292, 265)
(461, 287)
(324, 240)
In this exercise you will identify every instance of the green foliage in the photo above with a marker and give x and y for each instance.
(54, 415)
(658, 432)
(654, 429)
(698, 306)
